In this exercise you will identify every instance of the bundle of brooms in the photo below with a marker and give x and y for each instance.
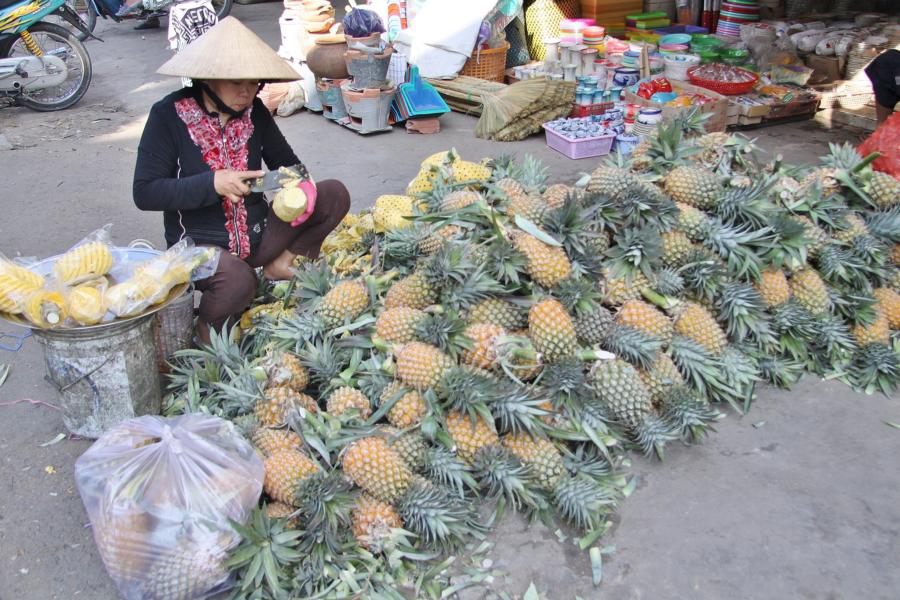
(508, 112)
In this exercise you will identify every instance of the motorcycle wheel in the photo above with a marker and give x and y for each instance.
(57, 40)
(222, 7)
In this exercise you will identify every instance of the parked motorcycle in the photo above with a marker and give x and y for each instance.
(109, 9)
(43, 66)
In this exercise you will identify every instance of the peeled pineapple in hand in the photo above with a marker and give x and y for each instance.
(84, 262)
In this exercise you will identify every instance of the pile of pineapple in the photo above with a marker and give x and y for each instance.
(489, 340)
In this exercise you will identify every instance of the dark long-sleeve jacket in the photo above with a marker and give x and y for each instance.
(172, 175)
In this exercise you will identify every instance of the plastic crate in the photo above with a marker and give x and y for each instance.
(582, 148)
(580, 111)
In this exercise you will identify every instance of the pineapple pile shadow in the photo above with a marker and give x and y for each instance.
(491, 337)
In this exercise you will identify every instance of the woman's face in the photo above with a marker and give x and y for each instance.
(237, 95)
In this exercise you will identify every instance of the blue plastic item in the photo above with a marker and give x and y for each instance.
(420, 98)
(675, 38)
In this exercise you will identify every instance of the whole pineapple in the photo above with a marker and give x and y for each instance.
(552, 330)
(280, 510)
(372, 521)
(270, 441)
(555, 195)
(773, 287)
(285, 470)
(483, 353)
(187, 571)
(851, 227)
(547, 265)
(346, 300)
(470, 434)
(422, 366)
(413, 291)
(273, 408)
(540, 455)
(690, 220)
(713, 148)
(644, 317)
(527, 206)
(398, 324)
(876, 332)
(592, 326)
(695, 186)
(284, 369)
(889, 305)
(883, 189)
(408, 409)
(611, 181)
(676, 246)
(810, 291)
(345, 399)
(618, 290)
(377, 468)
(660, 377)
(696, 323)
(620, 388)
(459, 199)
(493, 311)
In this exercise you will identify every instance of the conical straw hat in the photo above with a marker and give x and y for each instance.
(229, 50)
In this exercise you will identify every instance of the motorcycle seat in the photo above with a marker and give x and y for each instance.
(8, 3)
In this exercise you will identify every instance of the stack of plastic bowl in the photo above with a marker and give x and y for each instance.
(735, 13)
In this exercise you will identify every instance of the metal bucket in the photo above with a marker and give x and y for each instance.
(104, 374)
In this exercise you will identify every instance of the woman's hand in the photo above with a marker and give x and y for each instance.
(309, 188)
(234, 185)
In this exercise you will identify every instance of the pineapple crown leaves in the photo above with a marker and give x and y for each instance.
(293, 329)
(841, 266)
(689, 412)
(872, 252)
(854, 305)
(505, 263)
(645, 205)
(695, 363)
(266, 551)
(444, 468)
(579, 295)
(633, 345)
(739, 246)
(737, 386)
(653, 433)
(789, 247)
(635, 250)
(530, 173)
(517, 408)
(779, 370)
(818, 207)
(875, 368)
(436, 517)
(445, 330)
(834, 345)
(400, 247)
(583, 503)
(563, 379)
(667, 148)
(325, 360)
(478, 286)
(747, 206)
(324, 499)
(743, 311)
(501, 475)
(312, 281)
(885, 224)
(796, 327)
(573, 225)
(466, 391)
(668, 282)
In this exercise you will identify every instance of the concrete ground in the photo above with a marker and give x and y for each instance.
(796, 500)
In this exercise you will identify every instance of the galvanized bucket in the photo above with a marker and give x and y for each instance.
(103, 374)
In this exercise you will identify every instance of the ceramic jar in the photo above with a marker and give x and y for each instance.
(626, 77)
(326, 58)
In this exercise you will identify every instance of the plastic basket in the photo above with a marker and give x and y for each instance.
(398, 70)
(726, 89)
(580, 148)
(579, 110)
(487, 64)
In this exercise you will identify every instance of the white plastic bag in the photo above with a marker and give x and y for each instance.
(159, 493)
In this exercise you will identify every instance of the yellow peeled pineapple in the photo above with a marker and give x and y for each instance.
(27, 276)
(84, 262)
(46, 309)
(14, 292)
(86, 304)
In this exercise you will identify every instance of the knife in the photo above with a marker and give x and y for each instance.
(274, 180)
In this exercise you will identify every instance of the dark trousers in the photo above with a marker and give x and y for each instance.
(230, 290)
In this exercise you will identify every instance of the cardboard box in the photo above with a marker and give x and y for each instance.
(718, 108)
(749, 105)
(825, 68)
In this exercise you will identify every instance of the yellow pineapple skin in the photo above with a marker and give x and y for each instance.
(547, 265)
(280, 510)
(773, 287)
(346, 300)
(877, 332)
(552, 329)
(273, 408)
(470, 435)
(391, 211)
(810, 291)
(619, 290)
(412, 291)
(270, 441)
(696, 323)
(889, 304)
(645, 317)
(408, 409)
(398, 324)
(377, 468)
(483, 353)
(540, 454)
(421, 365)
(284, 471)
(371, 522)
(345, 399)
(694, 186)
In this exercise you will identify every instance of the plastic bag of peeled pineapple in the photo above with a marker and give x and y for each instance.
(149, 282)
(88, 259)
(159, 493)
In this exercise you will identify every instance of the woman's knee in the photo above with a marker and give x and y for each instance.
(335, 198)
(228, 292)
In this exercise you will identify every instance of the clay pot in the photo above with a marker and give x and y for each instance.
(368, 70)
(326, 58)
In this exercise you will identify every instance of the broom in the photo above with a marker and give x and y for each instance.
(519, 110)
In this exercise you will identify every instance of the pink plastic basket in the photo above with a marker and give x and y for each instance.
(580, 148)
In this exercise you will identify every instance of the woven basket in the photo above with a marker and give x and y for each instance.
(174, 329)
(487, 64)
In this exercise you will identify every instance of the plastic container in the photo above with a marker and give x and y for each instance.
(677, 65)
(722, 87)
(579, 148)
(592, 109)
